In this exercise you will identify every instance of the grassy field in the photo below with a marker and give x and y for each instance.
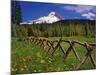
(31, 58)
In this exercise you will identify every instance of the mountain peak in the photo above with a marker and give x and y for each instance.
(52, 14)
(51, 18)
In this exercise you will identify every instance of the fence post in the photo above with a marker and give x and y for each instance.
(88, 54)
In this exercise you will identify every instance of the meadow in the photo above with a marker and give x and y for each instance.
(32, 58)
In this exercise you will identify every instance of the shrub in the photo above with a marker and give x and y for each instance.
(21, 32)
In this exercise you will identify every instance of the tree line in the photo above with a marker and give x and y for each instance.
(65, 28)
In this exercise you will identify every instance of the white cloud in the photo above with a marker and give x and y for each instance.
(89, 15)
(80, 8)
(92, 14)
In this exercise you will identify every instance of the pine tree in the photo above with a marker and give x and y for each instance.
(16, 12)
(16, 17)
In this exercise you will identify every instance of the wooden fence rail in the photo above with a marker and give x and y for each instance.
(53, 45)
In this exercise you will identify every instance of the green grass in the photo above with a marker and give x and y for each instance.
(31, 58)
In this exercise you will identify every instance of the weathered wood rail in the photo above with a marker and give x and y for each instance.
(53, 45)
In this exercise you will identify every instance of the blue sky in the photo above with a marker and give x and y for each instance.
(34, 10)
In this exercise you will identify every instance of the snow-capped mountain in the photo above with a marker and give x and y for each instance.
(50, 18)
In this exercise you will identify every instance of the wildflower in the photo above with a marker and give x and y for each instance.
(42, 61)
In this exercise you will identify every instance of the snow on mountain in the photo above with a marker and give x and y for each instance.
(50, 18)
